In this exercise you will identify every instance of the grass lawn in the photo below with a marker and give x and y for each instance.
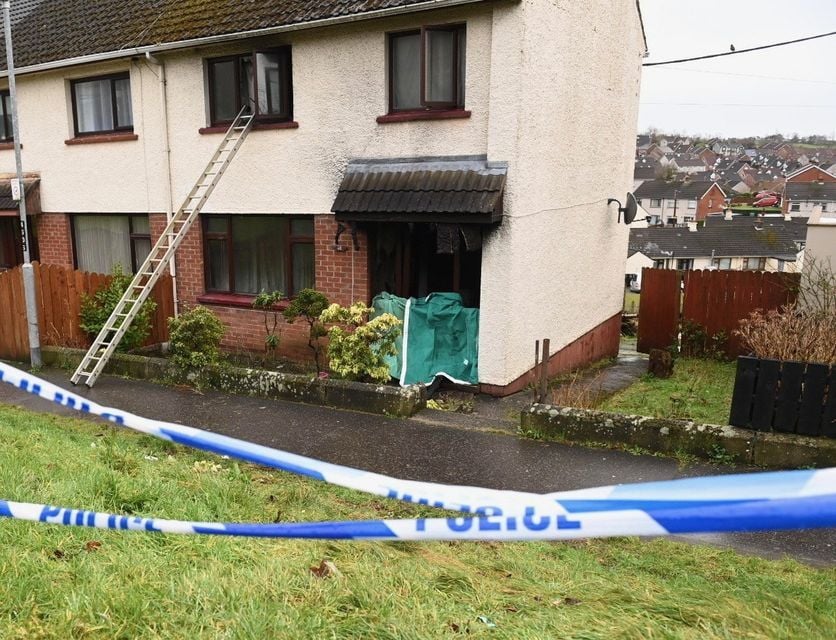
(631, 301)
(59, 582)
(699, 390)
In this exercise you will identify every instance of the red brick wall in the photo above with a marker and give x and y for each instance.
(600, 342)
(54, 239)
(711, 202)
(812, 174)
(245, 327)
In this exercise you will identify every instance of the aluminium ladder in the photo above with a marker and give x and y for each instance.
(155, 264)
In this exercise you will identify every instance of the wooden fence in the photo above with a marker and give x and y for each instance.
(715, 300)
(59, 291)
(788, 397)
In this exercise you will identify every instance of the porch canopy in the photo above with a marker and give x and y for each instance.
(9, 206)
(445, 190)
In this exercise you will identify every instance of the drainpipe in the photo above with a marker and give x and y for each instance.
(172, 267)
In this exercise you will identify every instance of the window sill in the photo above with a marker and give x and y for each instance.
(409, 116)
(256, 127)
(240, 300)
(8, 145)
(103, 137)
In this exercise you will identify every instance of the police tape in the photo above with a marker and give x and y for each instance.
(492, 509)
(792, 513)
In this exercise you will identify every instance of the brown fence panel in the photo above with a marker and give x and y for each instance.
(659, 309)
(719, 300)
(59, 292)
(14, 340)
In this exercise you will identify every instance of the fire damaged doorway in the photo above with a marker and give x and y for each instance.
(415, 259)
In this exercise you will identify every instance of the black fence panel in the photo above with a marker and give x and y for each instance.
(788, 397)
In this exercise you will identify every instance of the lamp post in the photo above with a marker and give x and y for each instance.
(28, 272)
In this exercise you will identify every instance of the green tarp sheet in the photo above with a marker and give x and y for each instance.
(440, 338)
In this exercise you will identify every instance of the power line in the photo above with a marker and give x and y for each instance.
(733, 53)
(746, 75)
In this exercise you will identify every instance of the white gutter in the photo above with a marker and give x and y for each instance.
(231, 37)
(169, 211)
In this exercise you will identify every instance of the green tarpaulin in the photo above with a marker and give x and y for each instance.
(440, 338)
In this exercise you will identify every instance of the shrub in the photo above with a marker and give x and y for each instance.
(195, 339)
(96, 309)
(358, 346)
(265, 302)
(801, 331)
(309, 305)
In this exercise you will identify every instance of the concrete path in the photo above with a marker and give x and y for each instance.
(414, 450)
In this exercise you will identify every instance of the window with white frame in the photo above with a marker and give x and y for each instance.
(754, 264)
(692, 204)
(655, 203)
(795, 206)
(721, 263)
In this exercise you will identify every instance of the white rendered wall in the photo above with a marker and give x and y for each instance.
(563, 111)
(125, 176)
(339, 89)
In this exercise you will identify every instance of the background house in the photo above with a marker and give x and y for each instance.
(673, 202)
(739, 244)
(120, 120)
(807, 188)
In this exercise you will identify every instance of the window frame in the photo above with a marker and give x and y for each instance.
(459, 28)
(111, 77)
(132, 235)
(286, 79)
(658, 202)
(7, 117)
(290, 241)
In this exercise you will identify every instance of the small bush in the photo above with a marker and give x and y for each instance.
(195, 339)
(265, 302)
(309, 305)
(96, 309)
(697, 343)
(358, 346)
(802, 331)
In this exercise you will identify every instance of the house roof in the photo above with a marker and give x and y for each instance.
(808, 167)
(810, 191)
(691, 189)
(456, 190)
(720, 238)
(52, 30)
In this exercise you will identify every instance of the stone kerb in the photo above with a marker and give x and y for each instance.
(676, 437)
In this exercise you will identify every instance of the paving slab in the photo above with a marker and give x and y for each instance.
(415, 450)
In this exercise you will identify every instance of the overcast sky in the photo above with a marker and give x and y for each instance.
(794, 90)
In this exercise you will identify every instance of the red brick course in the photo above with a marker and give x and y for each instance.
(245, 327)
(54, 239)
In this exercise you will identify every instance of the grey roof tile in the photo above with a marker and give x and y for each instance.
(739, 237)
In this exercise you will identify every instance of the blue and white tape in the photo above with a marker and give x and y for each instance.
(792, 513)
(749, 502)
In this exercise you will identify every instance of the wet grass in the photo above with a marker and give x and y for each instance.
(61, 582)
(699, 390)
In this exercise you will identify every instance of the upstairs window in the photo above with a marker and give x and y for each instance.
(655, 203)
(427, 69)
(102, 104)
(6, 131)
(260, 80)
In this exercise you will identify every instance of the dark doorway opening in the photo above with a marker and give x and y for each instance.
(405, 260)
(11, 250)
